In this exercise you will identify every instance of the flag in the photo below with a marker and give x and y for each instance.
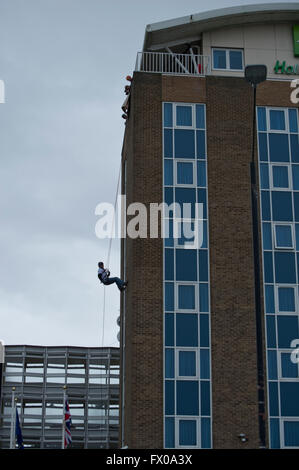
(19, 432)
(67, 425)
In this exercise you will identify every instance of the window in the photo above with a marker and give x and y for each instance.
(186, 364)
(283, 235)
(280, 176)
(291, 433)
(186, 330)
(187, 397)
(288, 370)
(186, 297)
(185, 173)
(188, 432)
(286, 299)
(277, 119)
(227, 59)
(183, 115)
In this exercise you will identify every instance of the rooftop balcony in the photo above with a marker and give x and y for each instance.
(173, 64)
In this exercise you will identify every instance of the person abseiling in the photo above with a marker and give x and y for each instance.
(103, 275)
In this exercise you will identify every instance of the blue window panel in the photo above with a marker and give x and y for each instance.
(277, 120)
(201, 174)
(269, 295)
(291, 433)
(287, 326)
(187, 398)
(204, 331)
(184, 141)
(261, 119)
(169, 329)
(202, 199)
(169, 265)
(184, 116)
(271, 332)
(187, 432)
(186, 265)
(205, 398)
(201, 144)
(205, 433)
(168, 198)
(183, 196)
(280, 176)
(168, 172)
(274, 434)
(184, 173)
(282, 206)
(264, 171)
(285, 271)
(268, 267)
(284, 237)
(286, 299)
(293, 120)
(297, 236)
(167, 114)
(279, 147)
(200, 116)
(263, 147)
(204, 364)
(294, 148)
(169, 296)
(203, 297)
(185, 232)
(202, 234)
(296, 206)
(187, 363)
(235, 60)
(273, 399)
(186, 329)
(168, 146)
(186, 297)
(272, 365)
(168, 235)
(169, 397)
(266, 212)
(169, 363)
(288, 368)
(289, 393)
(295, 172)
(203, 265)
(219, 59)
(169, 433)
(267, 237)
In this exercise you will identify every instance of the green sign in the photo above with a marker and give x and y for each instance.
(296, 40)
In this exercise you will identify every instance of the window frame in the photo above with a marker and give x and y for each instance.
(274, 239)
(276, 298)
(290, 176)
(227, 50)
(177, 432)
(176, 297)
(194, 173)
(193, 116)
(279, 367)
(281, 429)
(177, 375)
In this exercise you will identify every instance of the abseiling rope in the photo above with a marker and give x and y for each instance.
(109, 252)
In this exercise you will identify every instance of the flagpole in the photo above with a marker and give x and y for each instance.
(63, 416)
(12, 420)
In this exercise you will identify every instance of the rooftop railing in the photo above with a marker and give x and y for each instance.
(173, 64)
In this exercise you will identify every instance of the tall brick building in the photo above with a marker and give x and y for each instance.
(206, 332)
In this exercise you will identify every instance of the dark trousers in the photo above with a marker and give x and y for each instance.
(112, 280)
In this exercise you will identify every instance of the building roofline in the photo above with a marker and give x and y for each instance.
(192, 26)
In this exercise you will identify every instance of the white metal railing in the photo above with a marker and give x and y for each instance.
(171, 63)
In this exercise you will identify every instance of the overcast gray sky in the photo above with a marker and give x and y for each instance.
(64, 64)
